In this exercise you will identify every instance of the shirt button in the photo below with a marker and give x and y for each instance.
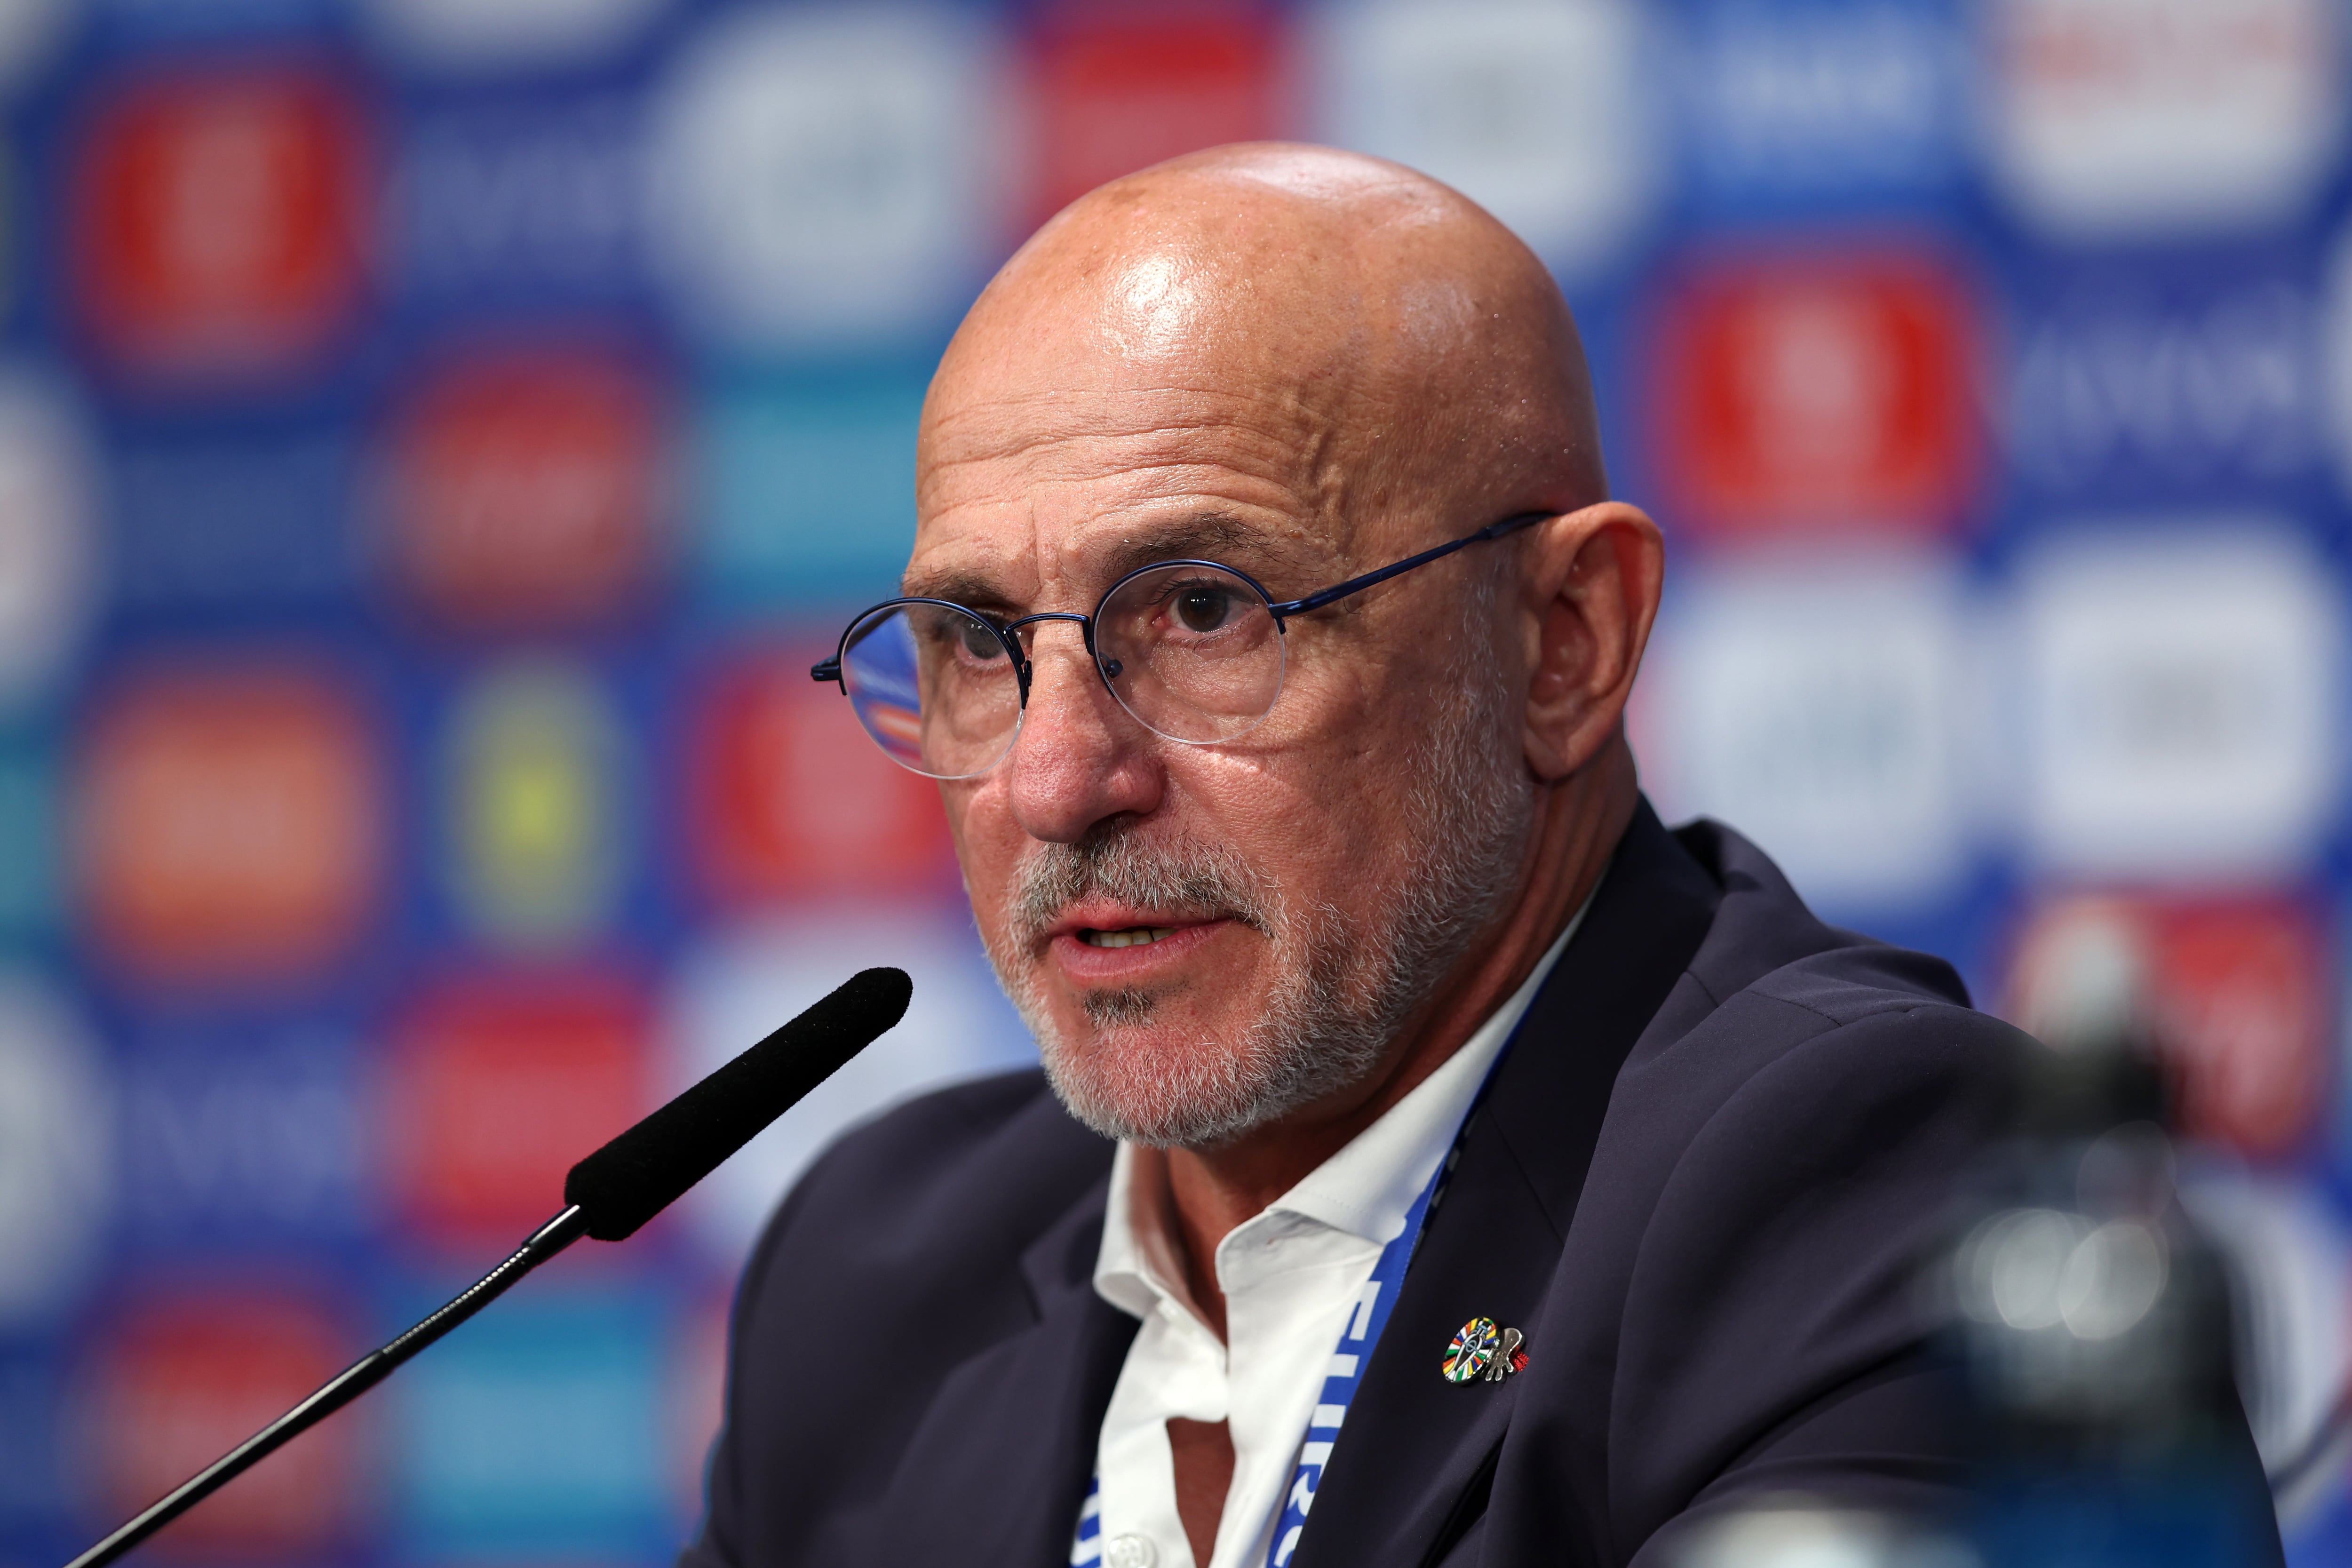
(1130, 1551)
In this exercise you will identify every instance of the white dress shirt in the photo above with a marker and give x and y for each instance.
(1291, 1275)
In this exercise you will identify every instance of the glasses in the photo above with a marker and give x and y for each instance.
(1193, 649)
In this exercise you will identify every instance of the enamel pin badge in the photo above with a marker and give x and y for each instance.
(1483, 1352)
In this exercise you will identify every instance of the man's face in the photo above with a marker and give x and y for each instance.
(1207, 937)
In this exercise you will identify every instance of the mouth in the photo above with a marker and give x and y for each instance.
(1133, 936)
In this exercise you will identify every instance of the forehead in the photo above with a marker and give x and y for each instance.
(1026, 496)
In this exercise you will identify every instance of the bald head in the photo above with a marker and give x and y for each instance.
(1381, 346)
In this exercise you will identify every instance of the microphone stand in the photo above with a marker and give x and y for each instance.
(340, 1390)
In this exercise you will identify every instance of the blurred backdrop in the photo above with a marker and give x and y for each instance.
(435, 437)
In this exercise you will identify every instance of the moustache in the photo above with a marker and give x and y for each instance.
(1185, 879)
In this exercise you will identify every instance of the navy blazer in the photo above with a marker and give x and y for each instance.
(1701, 1186)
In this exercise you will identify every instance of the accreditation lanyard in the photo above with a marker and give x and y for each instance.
(1373, 1305)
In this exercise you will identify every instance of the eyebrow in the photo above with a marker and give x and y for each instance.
(1210, 535)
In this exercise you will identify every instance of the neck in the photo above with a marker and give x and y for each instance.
(1578, 821)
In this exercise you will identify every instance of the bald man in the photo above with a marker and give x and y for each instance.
(1269, 629)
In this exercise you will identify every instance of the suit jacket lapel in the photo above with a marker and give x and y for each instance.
(998, 1469)
(1404, 1479)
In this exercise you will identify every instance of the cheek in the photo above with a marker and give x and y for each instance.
(1323, 820)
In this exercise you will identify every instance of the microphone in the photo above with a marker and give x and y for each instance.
(608, 1196)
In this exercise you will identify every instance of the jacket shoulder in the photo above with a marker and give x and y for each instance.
(999, 1148)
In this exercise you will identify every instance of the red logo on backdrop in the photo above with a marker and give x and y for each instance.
(219, 219)
(1827, 396)
(498, 1086)
(1114, 96)
(179, 1385)
(791, 797)
(2235, 989)
(525, 488)
(232, 823)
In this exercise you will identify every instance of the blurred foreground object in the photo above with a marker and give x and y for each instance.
(2093, 1320)
(1798, 1531)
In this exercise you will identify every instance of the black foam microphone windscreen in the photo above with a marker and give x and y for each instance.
(640, 1172)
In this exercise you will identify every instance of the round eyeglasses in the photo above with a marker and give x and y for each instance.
(1193, 650)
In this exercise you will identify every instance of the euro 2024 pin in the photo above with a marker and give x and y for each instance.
(1483, 1352)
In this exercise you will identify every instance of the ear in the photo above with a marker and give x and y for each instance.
(1591, 580)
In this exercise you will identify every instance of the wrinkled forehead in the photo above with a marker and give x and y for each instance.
(1039, 501)
(1158, 411)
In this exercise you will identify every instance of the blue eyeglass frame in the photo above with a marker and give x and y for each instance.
(1282, 610)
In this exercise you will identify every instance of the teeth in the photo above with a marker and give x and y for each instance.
(1134, 936)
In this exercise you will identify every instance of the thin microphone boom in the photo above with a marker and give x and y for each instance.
(607, 1196)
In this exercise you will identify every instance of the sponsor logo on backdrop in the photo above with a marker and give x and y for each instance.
(1825, 99)
(1829, 393)
(2144, 117)
(220, 220)
(232, 823)
(738, 985)
(1115, 94)
(57, 1149)
(2121, 386)
(508, 35)
(528, 489)
(497, 1084)
(830, 173)
(805, 493)
(1816, 703)
(534, 1436)
(2180, 690)
(789, 798)
(49, 535)
(226, 1138)
(180, 1380)
(507, 202)
(2234, 990)
(539, 803)
(1544, 111)
(246, 522)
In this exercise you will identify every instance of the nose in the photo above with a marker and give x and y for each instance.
(1080, 758)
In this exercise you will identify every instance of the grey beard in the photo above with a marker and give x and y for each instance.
(1345, 988)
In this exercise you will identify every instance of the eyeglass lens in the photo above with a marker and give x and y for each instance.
(1191, 651)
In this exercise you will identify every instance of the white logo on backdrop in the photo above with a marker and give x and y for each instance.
(47, 534)
(496, 35)
(1541, 111)
(830, 173)
(2179, 696)
(1815, 703)
(1797, 101)
(2120, 117)
(741, 985)
(56, 1124)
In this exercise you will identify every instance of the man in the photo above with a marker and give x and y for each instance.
(1306, 894)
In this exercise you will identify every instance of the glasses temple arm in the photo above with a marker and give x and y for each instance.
(1357, 584)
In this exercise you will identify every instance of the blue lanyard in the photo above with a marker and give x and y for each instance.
(1373, 1305)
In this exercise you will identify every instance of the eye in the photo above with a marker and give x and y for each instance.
(1203, 607)
(981, 642)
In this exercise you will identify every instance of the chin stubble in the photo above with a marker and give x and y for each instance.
(1343, 987)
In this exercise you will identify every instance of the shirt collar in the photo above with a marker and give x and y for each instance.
(1366, 1189)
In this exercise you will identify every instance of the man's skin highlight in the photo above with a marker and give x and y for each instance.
(1305, 364)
